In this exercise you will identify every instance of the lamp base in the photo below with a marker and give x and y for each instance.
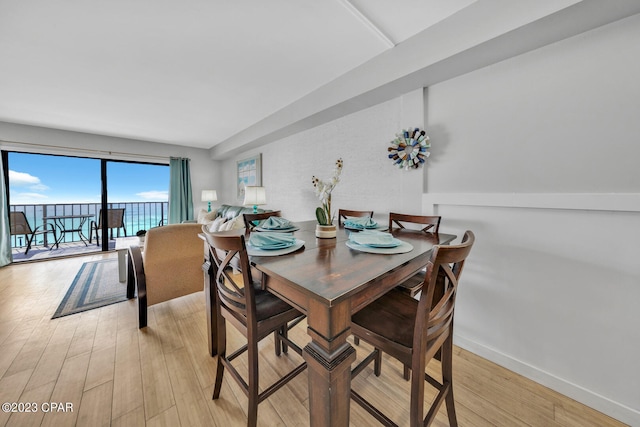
(209, 207)
(255, 209)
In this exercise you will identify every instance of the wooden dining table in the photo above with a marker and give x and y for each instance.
(328, 281)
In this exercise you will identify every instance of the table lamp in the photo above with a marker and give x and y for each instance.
(209, 196)
(254, 196)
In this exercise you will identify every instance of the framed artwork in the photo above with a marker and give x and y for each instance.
(249, 173)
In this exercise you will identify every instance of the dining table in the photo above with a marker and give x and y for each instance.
(329, 281)
(64, 227)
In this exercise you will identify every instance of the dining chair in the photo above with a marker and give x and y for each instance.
(251, 220)
(426, 224)
(413, 331)
(344, 214)
(19, 225)
(115, 219)
(255, 312)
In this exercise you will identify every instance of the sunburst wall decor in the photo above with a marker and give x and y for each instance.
(409, 149)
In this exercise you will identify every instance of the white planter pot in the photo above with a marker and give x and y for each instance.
(326, 231)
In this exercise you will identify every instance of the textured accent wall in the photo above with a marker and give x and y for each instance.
(369, 180)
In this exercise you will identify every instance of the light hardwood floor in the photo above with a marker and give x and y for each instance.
(114, 374)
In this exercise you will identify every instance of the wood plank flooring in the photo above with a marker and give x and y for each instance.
(117, 375)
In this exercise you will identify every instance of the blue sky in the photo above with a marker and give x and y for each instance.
(44, 179)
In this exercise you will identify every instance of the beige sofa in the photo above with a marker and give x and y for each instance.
(170, 266)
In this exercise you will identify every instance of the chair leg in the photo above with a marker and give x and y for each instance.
(142, 311)
(407, 372)
(285, 333)
(252, 410)
(356, 340)
(29, 243)
(447, 379)
(222, 353)
(377, 364)
(277, 343)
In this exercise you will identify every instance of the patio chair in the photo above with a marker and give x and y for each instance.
(115, 219)
(20, 226)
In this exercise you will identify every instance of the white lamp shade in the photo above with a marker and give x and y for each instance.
(209, 195)
(254, 196)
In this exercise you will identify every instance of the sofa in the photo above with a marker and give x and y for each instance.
(230, 211)
(224, 218)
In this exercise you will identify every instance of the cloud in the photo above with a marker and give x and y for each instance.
(154, 195)
(22, 179)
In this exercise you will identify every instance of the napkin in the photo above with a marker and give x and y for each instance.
(360, 223)
(276, 223)
(271, 240)
(374, 239)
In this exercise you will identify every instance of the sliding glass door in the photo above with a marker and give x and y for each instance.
(141, 189)
(64, 196)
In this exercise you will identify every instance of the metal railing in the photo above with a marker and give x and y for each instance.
(137, 216)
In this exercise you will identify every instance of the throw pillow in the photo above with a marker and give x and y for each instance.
(205, 217)
(216, 224)
(225, 226)
(237, 223)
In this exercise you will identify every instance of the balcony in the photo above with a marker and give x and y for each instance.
(137, 216)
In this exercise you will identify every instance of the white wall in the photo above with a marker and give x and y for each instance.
(369, 180)
(539, 156)
(205, 173)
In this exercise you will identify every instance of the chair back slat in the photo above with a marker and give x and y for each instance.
(431, 223)
(344, 214)
(251, 220)
(437, 302)
(228, 251)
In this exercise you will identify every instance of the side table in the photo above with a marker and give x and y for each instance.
(122, 246)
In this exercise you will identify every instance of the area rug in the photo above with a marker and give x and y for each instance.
(95, 285)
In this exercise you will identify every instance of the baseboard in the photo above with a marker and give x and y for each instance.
(602, 404)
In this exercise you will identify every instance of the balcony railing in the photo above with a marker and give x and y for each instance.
(137, 216)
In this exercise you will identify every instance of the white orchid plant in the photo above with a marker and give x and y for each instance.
(323, 192)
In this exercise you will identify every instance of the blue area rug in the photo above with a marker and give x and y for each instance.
(95, 285)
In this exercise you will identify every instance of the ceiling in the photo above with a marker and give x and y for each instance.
(189, 72)
(204, 72)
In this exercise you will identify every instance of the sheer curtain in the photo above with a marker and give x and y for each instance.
(180, 197)
(5, 237)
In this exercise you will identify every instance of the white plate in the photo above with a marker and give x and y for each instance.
(274, 252)
(391, 244)
(400, 249)
(281, 230)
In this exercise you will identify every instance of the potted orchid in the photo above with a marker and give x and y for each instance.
(325, 227)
